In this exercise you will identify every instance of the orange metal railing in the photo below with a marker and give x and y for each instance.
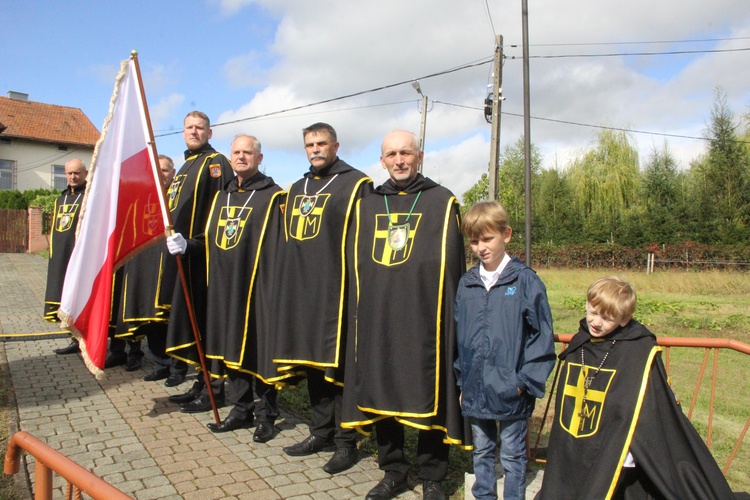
(48, 461)
(668, 342)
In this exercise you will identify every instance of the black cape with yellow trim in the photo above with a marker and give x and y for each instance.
(311, 306)
(146, 290)
(190, 195)
(630, 407)
(61, 242)
(240, 243)
(405, 279)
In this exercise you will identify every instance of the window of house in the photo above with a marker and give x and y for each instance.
(7, 174)
(59, 181)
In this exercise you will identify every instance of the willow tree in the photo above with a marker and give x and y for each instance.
(605, 181)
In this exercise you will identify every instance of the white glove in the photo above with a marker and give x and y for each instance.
(176, 244)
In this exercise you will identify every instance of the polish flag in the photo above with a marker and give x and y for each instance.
(123, 211)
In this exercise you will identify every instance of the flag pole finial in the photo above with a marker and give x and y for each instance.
(133, 53)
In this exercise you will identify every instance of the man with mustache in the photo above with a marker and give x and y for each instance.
(312, 303)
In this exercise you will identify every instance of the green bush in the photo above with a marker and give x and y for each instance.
(12, 199)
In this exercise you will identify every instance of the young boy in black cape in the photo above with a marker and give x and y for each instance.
(618, 430)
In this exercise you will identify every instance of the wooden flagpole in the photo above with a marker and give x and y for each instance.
(169, 230)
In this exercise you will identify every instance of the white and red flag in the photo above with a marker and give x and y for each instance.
(123, 211)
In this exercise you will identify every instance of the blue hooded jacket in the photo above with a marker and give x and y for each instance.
(505, 342)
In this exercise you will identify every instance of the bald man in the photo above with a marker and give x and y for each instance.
(61, 241)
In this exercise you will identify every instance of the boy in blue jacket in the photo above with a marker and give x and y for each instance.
(505, 350)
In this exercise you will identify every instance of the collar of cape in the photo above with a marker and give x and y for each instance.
(258, 181)
(339, 166)
(206, 148)
(70, 190)
(632, 331)
(417, 184)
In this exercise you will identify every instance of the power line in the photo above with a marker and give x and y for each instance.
(489, 18)
(347, 96)
(631, 54)
(698, 40)
(601, 127)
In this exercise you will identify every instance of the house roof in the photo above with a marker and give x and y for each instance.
(38, 121)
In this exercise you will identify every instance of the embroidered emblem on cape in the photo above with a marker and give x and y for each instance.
(393, 239)
(583, 422)
(173, 193)
(230, 225)
(65, 215)
(151, 218)
(511, 290)
(306, 226)
(307, 204)
(214, 170)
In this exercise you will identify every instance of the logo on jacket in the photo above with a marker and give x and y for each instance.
(511, 290)
(65, 216)
(214, 170)
(229, 228)
(393, 239)
(307, 216)
(173, 193)
(577, 419)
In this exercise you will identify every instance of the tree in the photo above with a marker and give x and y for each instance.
(605, 183)
(659, 197)
(554, 219)
(477, 192)
(511, 182)
(726, 172)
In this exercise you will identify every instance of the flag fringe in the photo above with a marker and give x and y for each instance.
(66, 321)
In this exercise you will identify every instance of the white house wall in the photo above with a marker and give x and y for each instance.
(34, 161)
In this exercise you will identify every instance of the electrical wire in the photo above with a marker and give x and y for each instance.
(489, 18)
(479, 62)
(635, 54)
(601, 127)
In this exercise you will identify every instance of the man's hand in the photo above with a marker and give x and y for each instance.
(176, 244)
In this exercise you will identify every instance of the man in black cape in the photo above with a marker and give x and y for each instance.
(143, 301)
(240, 246)
(408, 259)
(62, 240)
(204, 173)
(312, 304)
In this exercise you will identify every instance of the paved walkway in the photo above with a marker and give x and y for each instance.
(125, 431)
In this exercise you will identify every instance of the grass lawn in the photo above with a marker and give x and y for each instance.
(671, 304)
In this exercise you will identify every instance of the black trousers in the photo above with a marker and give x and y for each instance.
(432, 452)
(326, 400)
(240, 394)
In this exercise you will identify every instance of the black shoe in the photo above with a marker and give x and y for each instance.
(229, 424)
(342, 460)
(433, 490)
(387, 489)
(200, 404)
(309, 446)
(115, 360)
(133, 364)
(71, 348)
(185, 398)
(156, 375)
(174, 380)
(264, 432)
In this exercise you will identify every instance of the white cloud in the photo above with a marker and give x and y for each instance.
(342, 47)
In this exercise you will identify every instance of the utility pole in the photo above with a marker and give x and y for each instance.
(423, 128)
(526, 125)
(497, 82)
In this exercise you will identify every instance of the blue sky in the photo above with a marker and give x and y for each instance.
(236, 59)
